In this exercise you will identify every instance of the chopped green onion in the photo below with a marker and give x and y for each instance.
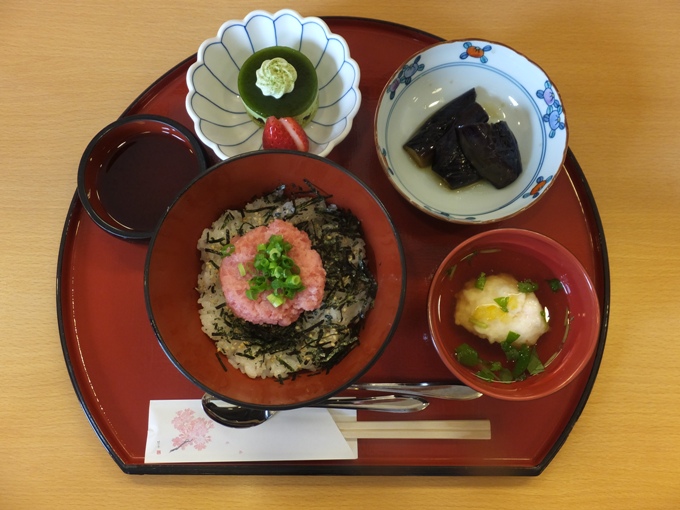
(495, 366)
(502, 302)
(511, 337)
(511, 353)
(275, 300)
(481, 281)
(535, 366)
(227, 250)
(466, 355)
(241, 269)
(527, 286)
(274, 270)
(522, 362)
(555, 285)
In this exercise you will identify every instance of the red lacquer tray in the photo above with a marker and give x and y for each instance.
(117, 366)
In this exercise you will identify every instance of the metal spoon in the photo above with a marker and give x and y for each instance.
(242, 417)
(424, 389)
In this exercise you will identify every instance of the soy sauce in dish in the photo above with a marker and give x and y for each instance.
(143, 176)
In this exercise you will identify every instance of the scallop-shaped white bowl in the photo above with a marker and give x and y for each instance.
(509, 87)
(213, 101)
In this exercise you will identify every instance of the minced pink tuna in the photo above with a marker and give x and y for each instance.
(260, 310)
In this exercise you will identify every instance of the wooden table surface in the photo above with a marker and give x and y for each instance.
(68, 68)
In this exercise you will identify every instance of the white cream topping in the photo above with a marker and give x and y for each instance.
(276, 77)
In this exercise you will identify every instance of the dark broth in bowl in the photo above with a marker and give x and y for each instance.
(141, 179)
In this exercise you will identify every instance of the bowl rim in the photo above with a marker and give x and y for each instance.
(83, 166)
(196, 119)
(498, 390)
(423, 207)
(379, 352)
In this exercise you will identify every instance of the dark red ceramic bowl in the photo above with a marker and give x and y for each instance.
(173, 265)
(573, 310)
(133, 169)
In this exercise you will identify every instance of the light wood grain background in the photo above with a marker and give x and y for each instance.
(68, 68)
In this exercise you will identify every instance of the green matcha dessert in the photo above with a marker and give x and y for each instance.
(281, 82)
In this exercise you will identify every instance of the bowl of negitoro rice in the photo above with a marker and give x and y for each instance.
(275, 280)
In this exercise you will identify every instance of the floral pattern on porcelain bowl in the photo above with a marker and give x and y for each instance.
(510, 87)
(213, 102)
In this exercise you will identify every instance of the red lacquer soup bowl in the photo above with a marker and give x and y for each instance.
(173, 265)
(564, 289)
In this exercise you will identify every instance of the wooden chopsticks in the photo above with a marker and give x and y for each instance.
(413, 429)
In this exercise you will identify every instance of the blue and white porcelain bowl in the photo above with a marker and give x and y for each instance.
(213, 101)
(511, 88)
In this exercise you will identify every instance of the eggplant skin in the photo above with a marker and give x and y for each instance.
(492, 150)
(464, 109)
(451, 163)
(461, 146)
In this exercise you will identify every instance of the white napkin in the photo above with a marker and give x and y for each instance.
(180, 431)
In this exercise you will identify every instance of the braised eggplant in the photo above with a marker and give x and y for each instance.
(462, 147)
(451, 163)
(462, 110)
(492, 150)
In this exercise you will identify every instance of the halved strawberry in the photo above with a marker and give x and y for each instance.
(284, 133)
